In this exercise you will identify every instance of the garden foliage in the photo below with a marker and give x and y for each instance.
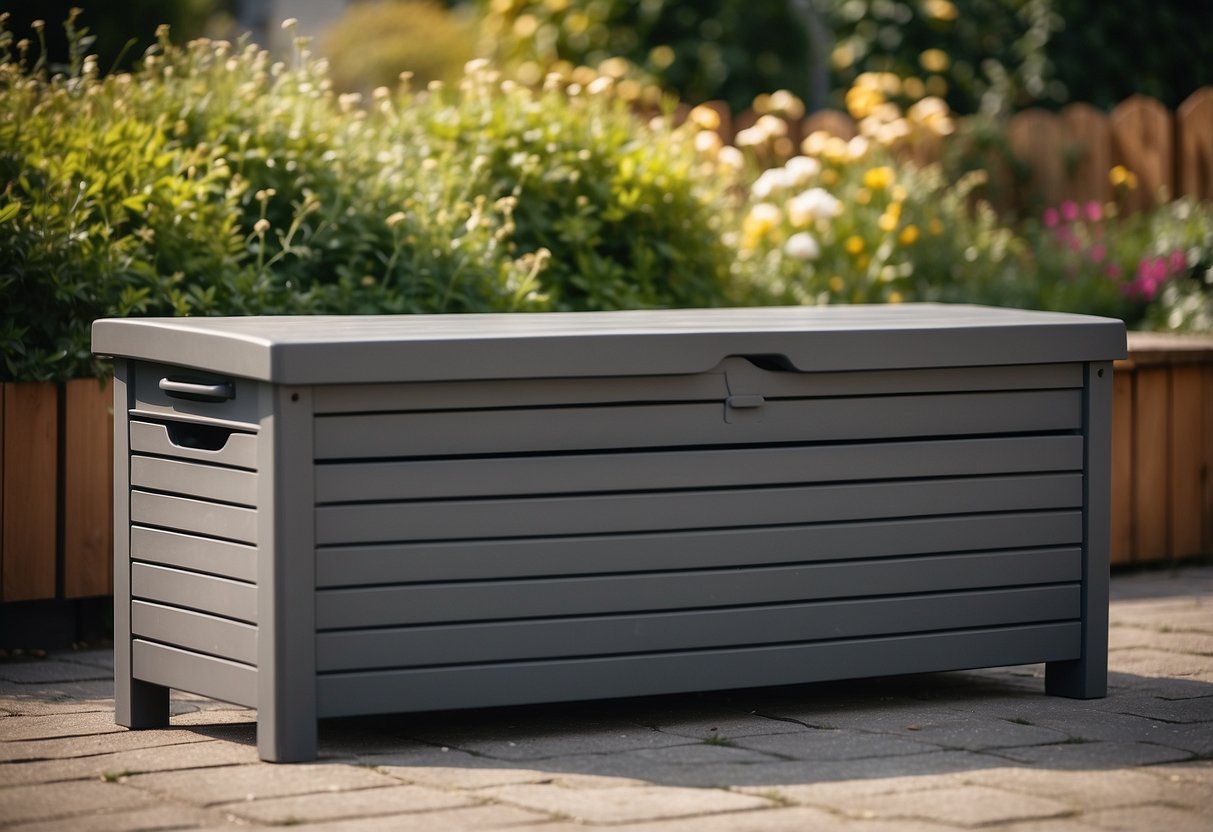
(216, 180)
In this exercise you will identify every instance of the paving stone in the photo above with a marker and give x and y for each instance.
(536, 741)
(337, 805)
(216, 716)
(231, 784)
(1145, 661)
(44, 671)
(1151, 706)
(831, 744)
(958, 805)
(59, 725)
(1123, 637)
(626, 804)
(1103, 755)
(1152, 817)
(723, 725)
(51, 801)
(107, 766)
(1117, 727)
(829, 792)
(124, 740)
(1192, 615)
(1194, 771)
(137, 820)
(446, 820)
(1049, 825)
(754, 820)
(1093, 790)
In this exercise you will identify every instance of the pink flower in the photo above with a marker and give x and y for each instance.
(1051, 218)
(1179, 263)
(1098, 253)
(1069, 210)
(1094, 211)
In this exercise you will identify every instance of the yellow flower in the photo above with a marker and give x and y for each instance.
(863, 196)
(837, 284)
(854, 245)
(909, 235)
(861, 101)
(877, 179)
(761, 221)
(887, 221)
(829, 177)
(895, 297)
(1122, 177)
(705, 118)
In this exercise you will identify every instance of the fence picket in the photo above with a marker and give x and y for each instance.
(1194, 145)
(1087, 153)
(1142, 135)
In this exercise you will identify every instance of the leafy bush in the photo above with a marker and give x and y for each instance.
(213, 180)
(698, 49)
(372, 43)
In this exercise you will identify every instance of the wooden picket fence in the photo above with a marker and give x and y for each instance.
(1068, 155)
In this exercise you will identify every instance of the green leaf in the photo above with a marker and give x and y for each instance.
(9, 211)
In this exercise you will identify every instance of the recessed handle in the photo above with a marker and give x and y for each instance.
(745, 401)
(197, 391)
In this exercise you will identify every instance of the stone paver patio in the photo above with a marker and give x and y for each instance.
(945, 751)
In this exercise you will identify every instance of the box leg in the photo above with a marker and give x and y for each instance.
(285, 740)
(1085, 678)
(141, 705)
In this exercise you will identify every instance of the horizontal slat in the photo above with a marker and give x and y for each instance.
(530, 557)
(466, 519)
(502, 476)
(195, 631)
(492, 600)
(673, 425)
(193, 480)
(200, 554)
(604, 635)
(181, 514)
(240, 449)
(184, 670)
(348, 694)
(732, 373)
(204, 593)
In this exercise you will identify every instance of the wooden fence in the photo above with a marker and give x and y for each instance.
(1069, 154)
(56, 486)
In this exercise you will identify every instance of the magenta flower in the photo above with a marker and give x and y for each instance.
(1051, 218)
(1179, 263)
(1094, 211)
(1069, 210)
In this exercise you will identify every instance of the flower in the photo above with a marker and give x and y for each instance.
(761, 221)
(1051, 218)
(877, 179)
(802, 246)
(1094, 211)
(1069, 210)
(854, 245)
(909, 235)
(771, 180)
(813, 204)
(1122, 177)
(802, 168)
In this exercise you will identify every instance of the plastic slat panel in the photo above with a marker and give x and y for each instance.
(432, 479)
(181, 514)
(195, 631)
(465, 519)
(207, 482)
(672, 425)
(600, 635)
(492, 600)
(240, 449)
(511, 683)
(199, 554)
(530, 557)
(204, 593)
(186, 670)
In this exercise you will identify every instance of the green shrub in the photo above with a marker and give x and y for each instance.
(372, 43)
(214, 180)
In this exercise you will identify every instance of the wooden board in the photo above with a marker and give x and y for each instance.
(1194, 145)
(1035, 137)
(1142, 135)
(88, 489)
(1089, 146)
(1151, 456)
(1186, 468)
(31, 468)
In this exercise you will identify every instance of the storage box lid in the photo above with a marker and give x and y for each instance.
(393, 348)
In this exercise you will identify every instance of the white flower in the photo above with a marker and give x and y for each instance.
(802, 168)
(731, 157)
(802, 246)
(771, 180)
(813, 204)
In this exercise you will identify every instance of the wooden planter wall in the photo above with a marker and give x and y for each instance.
(1162, 450)
(56, 484)
(56, 490)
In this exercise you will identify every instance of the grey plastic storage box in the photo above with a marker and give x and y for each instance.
(329, 516)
